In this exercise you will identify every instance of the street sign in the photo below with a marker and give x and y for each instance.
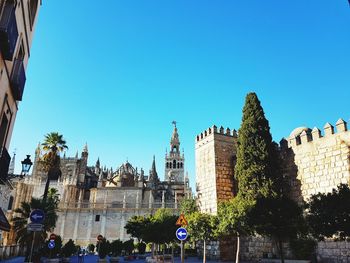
(181, 221)
(35, 227)
(51, 245)
(37, 216)
(52, 236)
(181, 233)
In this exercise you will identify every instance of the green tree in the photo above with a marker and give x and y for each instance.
(20, 221)
(103, 248)
(328, 214)
(50, 161)
(164, 223)
(128, 246)
(69, 248)
(279, 218)
(232, 217)
(188, 206)
(256, 168)
(136, 227)
(201, 227)
(116, 247)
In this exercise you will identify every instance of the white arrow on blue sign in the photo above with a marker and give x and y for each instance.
(51, 245)
(181, 233)
(37, 216)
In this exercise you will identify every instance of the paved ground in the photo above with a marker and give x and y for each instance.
(93, 259)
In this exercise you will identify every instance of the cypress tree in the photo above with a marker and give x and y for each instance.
(257, 168)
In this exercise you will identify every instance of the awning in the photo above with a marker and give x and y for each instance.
(4, 224)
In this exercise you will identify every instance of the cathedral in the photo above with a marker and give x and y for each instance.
(98, 201)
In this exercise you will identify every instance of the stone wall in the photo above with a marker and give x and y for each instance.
(316, 162)
(330, 251)
(215, 155)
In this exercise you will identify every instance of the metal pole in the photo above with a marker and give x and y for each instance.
(31, 250)
(182, 252)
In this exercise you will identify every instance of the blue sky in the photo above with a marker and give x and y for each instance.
(117, 73)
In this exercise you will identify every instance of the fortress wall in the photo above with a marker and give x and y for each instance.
(320, 162)
(215, 150)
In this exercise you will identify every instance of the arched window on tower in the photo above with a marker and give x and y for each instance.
(169, 165)
(178, 165)
(181, 165)
(174, 164)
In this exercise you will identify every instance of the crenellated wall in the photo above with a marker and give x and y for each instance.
(317, 162)
(215, 151)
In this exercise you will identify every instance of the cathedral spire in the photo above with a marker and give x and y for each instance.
(175, 141)
(12, 164)
(98, 163)
(85, 148)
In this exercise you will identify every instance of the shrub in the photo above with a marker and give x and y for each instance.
(69, 249)
(116, 247)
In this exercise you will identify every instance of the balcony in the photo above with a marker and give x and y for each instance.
(4, 163)
(17, 79)
(8, 31)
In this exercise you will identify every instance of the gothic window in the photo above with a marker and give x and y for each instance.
(174, 164)
(181, 165)
(169, 165)
(10, 203)
(178, 165)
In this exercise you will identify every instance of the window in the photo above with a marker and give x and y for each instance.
(3, 129)
(97, 218)
(174, 164)
(33, 6)
(10, 203)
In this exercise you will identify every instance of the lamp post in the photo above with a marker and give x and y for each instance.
(26, 165)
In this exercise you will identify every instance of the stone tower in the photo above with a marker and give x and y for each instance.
(215, 153)
(174, 161)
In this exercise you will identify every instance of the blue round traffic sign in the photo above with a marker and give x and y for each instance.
(37, 216)
(51, 245)
(181, 233)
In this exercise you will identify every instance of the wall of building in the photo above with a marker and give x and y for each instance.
(215, 151)
(316, 162)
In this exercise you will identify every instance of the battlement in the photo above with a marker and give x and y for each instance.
(215, 130)
(304, 135)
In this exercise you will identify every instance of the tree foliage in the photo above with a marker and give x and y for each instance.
(328, 214)
(256, 169)
(69, 248)
(279, 218)
(116, 247)
(201, 226)
(188, 206)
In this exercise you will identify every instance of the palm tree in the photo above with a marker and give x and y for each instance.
(20, 221)
(50, 161)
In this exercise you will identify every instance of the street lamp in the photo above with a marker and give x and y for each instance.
(26, 165)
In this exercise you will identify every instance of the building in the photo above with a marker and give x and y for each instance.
(312, 162)
(96, 200)
(17, 24)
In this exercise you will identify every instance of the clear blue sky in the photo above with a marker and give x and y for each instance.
(115, 74)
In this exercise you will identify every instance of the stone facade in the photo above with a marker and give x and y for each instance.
(96, 200)
(312, 163)
(330, 251)
(215, 152)
(315, 162)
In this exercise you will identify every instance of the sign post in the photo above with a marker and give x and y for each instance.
(181, 234)
(37, 216)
